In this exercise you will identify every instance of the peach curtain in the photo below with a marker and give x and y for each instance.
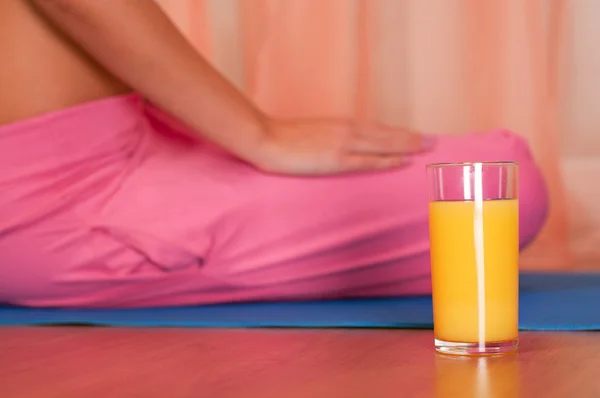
(439, 66)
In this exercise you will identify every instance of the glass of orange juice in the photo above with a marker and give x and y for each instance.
(474, 237)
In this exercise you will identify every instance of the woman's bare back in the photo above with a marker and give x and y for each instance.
(41, 69)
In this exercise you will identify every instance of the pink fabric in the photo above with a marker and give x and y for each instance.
(106, 205)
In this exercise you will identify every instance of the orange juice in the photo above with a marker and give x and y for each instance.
(470, 305)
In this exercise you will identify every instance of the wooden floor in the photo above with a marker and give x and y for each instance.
(172, 363)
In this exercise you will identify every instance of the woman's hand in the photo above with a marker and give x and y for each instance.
(321, 147)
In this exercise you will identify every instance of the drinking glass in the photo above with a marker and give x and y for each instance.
(474, 237)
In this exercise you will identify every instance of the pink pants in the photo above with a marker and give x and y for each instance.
(104, 205)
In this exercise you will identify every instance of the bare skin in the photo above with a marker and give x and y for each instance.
(59, 53)
(41, 69)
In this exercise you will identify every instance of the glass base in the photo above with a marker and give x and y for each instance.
(476, 349)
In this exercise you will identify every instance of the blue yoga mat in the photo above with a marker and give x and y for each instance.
(547, 302)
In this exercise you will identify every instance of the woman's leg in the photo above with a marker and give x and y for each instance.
(356, 235)
(191, 225)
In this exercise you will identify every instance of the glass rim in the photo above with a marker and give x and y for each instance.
(483, 164)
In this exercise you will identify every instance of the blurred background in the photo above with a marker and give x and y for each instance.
(439, 66)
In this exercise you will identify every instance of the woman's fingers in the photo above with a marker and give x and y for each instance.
(390, 143)
(384, 148)
(326, 148)
(366, 162)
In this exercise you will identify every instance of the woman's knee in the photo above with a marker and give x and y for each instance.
(533, 194)
(504, 145)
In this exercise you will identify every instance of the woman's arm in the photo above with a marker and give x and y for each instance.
(138, 43)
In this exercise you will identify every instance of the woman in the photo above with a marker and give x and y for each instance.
(109, 202)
